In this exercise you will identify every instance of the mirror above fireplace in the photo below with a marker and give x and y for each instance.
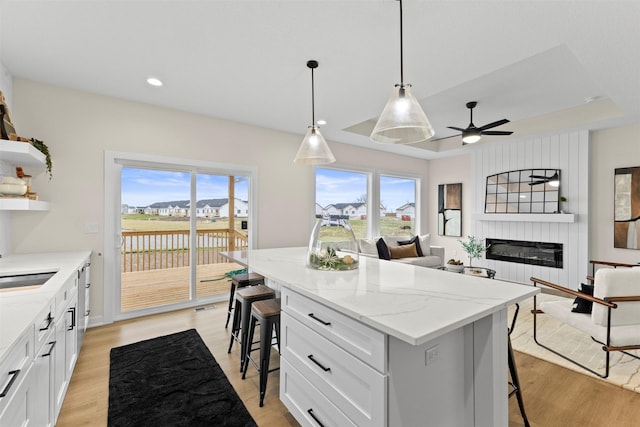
(523, 191)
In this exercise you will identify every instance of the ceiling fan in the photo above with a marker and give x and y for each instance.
(553, 180)
(473, 134)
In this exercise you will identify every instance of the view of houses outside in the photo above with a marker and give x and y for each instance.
(344, 194)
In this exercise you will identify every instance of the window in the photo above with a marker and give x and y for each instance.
(397, 206)
(349, 194)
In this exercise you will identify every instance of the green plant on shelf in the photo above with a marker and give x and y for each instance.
(42, 147)
(474, 248)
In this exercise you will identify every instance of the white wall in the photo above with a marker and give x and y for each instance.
(611, 149)
(79, 127)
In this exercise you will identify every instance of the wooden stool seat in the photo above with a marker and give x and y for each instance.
(245, 297)
(267, 313)
(240, 281)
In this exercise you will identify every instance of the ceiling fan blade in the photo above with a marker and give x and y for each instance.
(444, 137)
(538, 177)
(496, 132)
(494, 124)
(455, 128)
(537, 182)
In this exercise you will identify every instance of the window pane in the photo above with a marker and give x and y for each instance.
(398, 206)
(343, 194)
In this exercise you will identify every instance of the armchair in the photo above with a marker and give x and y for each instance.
(614, 320)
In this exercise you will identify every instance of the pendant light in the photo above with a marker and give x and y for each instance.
(402, 121)
(314, 149)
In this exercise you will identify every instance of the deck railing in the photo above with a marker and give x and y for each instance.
(152, 250)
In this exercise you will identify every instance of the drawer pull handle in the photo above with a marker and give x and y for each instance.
(49, 319)
(310, 412)
(318, 363)
(11, 381)
(319, 320)
(53, 344)
(72, 310)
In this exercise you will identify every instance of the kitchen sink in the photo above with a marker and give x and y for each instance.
(19, 281)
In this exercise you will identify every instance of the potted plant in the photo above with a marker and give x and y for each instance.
(42, 147)
(474, 248)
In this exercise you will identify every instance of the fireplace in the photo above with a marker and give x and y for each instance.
(536, 253)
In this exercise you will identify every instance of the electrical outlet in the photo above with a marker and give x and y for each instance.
(432, 355)
(91, 227)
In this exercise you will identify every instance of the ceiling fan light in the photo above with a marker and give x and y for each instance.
(402, 121)
(314, 149)
(471, 137)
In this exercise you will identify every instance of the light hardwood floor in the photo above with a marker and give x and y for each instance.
(553, 396)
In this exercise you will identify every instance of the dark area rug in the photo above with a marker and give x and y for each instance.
(172, 380)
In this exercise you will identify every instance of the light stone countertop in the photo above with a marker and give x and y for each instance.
(413, 304)
(20, 309)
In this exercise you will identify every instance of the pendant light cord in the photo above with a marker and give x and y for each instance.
(401, 55)
(313, 102)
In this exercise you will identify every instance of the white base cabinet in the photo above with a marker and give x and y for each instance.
(35, 375)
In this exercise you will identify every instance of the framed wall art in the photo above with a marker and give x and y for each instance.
(450, 210)
(626, 227)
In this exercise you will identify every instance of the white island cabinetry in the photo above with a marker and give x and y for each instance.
(390, 344)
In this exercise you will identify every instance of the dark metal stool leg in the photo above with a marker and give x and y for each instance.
(232, 292)
(265, 354)
(516, 382)
(245, 317)
(252, 329)
(235, 326)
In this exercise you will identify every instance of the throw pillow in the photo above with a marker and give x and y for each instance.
(425, 244)
(415, 240)
(405, 251)
(581, 305)
(368, 247)
(383, 250)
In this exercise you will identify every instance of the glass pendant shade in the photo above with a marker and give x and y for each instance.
(314, 150)
(402, 121)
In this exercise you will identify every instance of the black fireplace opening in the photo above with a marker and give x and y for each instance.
(536, 253)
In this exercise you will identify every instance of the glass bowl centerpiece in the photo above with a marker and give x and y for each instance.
(332, 245)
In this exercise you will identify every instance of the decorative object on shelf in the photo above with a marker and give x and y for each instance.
(42, 147)
(626, 226)
(474, 248)
(333, 245)
(10, 186)
(455, 265)
(561, 199)
(524, 191)
(6, 126)
(402, 121)
(450, 210)
(314, 150)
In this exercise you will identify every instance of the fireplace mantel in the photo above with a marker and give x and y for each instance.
(525, 217)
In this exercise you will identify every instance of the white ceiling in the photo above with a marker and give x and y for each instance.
(533, 62)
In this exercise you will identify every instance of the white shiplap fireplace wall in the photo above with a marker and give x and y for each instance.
(568, 152)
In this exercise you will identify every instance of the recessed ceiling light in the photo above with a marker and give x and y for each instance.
(154, 81)
(592, 99)
(322, 122)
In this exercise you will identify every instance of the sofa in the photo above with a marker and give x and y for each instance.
(416, 250)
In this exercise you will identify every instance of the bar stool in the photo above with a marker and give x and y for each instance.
(266, 312)
(245, 297)
(515, 381)
(240, 281)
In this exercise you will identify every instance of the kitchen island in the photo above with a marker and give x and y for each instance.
(390, 344)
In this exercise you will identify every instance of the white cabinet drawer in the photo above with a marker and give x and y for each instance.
(306, 403)
(358, 339)
(13, 369)
(354, 387)
(44, 324)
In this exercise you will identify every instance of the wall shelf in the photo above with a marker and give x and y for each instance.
(23, 204)
(21, 154)
(519, 217)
